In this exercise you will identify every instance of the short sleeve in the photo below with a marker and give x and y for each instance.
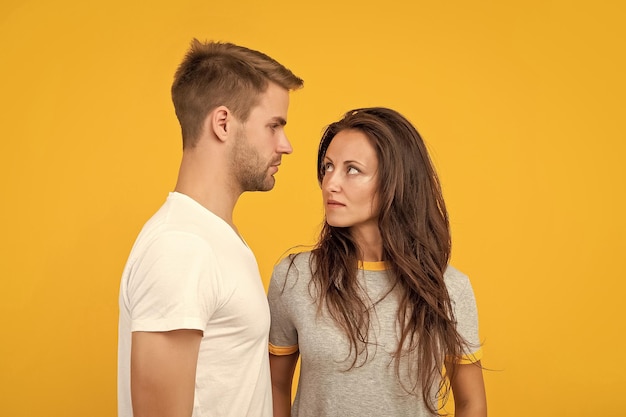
(465, 313)
(174, 284)
(283, 336)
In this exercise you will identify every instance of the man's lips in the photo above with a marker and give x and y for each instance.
(274, 167)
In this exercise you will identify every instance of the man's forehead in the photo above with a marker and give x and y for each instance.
(273, 105)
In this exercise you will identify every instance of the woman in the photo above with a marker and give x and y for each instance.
(383, 324)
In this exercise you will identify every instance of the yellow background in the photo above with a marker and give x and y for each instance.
(522, 104)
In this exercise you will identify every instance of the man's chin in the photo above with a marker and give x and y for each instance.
(269, 184)
(265, 186)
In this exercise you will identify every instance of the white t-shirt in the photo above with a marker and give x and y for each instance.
(189, 269)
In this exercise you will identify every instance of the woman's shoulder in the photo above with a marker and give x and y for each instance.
(293, 264)
(298, 259)
(455, 280)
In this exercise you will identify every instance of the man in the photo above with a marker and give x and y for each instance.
(194, 320)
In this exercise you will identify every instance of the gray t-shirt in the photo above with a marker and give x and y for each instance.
(326, 386)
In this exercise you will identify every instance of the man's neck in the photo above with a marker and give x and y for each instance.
(208, 183)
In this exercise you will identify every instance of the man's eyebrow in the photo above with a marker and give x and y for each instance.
(279, 120)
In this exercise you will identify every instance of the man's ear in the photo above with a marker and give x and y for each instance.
(219, 121)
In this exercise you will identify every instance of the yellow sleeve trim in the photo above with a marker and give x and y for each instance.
(282, 350)
(468, 358)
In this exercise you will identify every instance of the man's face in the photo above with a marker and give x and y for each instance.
(261, 141)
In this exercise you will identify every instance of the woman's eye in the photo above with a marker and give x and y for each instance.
(352, 170)
(328, 167)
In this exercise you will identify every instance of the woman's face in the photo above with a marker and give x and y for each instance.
(350, 182)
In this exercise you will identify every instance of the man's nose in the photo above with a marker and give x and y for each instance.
(284, 146)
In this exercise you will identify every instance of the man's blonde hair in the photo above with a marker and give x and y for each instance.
(216, 74)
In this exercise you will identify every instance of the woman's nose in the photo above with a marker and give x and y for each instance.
(331, 183)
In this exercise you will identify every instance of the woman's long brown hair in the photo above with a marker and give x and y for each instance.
(414, 225)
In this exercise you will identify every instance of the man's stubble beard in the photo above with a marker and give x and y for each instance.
(250, 172)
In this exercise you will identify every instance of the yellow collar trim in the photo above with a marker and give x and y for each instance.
(373, 266)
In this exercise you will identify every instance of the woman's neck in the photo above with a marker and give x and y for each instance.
(369, 242)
